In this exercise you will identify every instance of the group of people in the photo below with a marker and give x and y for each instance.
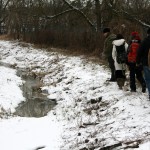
(134, 55)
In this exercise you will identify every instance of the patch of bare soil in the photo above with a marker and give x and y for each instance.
(5, 37)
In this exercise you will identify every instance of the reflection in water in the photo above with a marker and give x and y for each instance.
(36, 107)
(37, 104)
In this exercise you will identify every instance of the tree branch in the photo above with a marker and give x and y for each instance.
(6, 4)
(59, 14)
(81, 13)
(2, 19)
(131, 16)
(137, 20)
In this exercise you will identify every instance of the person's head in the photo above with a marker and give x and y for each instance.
(148, 31)
(135, 36)
(106, 31)
(119, 36)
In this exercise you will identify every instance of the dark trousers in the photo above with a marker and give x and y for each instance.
(120, 74)
(135, 72)
(112, 68)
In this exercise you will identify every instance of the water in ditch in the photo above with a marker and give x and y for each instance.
(37, 104)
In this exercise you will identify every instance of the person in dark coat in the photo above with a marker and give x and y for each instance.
(142, 58)
(135, 71)
(107, 52)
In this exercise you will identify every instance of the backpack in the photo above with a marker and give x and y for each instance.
(121, 54)
(133, 52)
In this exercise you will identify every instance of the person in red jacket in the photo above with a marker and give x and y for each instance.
(134, 70)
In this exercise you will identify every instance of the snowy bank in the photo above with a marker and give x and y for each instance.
(91, 113)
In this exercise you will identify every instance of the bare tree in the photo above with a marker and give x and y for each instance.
(3, 13)
(70, 22)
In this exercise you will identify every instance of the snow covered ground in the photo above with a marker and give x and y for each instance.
(91, 113)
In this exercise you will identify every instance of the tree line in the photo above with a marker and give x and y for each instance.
(72, 24)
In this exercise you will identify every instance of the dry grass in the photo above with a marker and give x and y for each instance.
(5, 37)
(93, 56)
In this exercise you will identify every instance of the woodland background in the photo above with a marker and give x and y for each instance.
(75, 25)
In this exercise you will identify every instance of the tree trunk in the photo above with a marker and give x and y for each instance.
(98, 15)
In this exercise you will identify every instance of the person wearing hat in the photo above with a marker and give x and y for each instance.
(143, 58)
(107, 52)
(135, 71)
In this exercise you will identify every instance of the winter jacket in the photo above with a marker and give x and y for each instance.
(114, 53)
(142, 54)
(132, 51)
(108, 45)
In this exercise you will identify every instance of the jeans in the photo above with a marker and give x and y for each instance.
(147, 77)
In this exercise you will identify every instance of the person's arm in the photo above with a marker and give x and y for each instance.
(129, 47)
(108, 45)
(105, 46)
(126, 47)
(140, 53)
(103, 55)
(114, 52)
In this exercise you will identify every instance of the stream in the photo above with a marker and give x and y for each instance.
(37, 104)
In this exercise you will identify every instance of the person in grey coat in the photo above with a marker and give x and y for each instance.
(107, 52)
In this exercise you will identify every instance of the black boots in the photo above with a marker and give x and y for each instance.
(112, 80)
(132, 90)
(143, 88)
